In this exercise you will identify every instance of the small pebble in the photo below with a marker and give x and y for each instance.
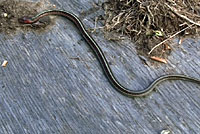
(165, 131)
(54, 6)
(4, 15)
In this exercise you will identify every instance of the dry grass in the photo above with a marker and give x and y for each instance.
(149, 22)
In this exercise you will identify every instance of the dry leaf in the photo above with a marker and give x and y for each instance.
(4, 64)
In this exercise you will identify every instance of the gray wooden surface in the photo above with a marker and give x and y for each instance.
(54, 84)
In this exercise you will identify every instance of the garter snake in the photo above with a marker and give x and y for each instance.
(101, 57)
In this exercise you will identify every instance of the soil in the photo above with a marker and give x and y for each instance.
(11, 10)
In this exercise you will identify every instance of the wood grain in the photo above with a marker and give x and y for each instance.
(54, 84)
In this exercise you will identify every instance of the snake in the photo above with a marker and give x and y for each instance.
(101, 57)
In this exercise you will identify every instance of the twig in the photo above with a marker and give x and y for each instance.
(95, 25)
(182, 16)
(169, 38)
(158, 59)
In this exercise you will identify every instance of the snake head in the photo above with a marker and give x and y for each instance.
(25, 20)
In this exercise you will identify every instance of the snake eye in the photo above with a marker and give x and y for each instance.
(25, 20)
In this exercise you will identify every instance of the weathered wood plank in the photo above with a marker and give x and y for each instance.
(54, 84)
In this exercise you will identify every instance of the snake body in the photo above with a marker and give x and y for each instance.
(101, 57)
